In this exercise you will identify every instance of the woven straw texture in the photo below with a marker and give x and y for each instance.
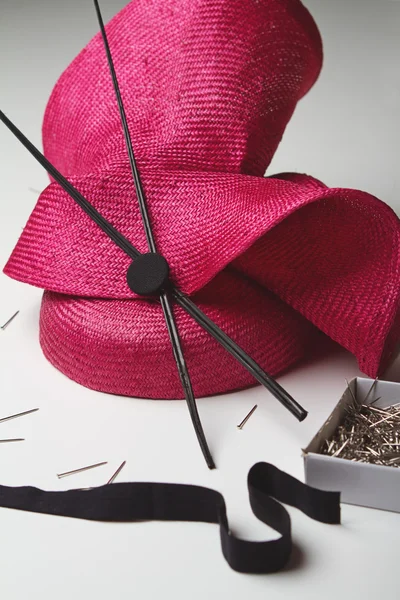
(280, 263)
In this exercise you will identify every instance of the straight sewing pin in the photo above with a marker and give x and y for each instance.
(67, 473)
(117, 472)
(247, 417)
(6, 324)
(16, 416)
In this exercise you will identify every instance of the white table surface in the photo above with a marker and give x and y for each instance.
(345, 132)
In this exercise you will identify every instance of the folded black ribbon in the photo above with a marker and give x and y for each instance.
(125, 502)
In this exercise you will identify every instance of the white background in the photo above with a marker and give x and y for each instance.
(345, 132)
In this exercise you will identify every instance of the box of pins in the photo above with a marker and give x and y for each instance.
(357, 450)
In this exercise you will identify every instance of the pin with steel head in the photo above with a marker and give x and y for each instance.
(6, 324)
(341, 448)
(117, 472)
(67, 473)
(12, 440)
(16, 416)
(247, 417)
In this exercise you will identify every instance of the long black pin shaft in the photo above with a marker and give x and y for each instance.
(90, 210)
(165, 301)
(128, 141)
(236, 351)
(205, 322)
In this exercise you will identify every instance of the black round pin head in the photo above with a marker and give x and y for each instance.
(148, 274)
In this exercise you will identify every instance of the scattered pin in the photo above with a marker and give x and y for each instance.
(12, 440)
(247, 417)
(9, 321)
(26, 412)
(380, 411)
(33, 190)
(117, 472)
(67, 473)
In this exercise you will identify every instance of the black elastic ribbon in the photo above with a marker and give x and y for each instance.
(125, 502)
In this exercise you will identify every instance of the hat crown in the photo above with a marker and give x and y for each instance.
(207, 85)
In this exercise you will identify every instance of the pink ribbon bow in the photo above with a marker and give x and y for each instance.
(276, 262)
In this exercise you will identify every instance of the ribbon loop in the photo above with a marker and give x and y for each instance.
(128, 502)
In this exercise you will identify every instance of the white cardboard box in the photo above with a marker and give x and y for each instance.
(359, 483)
